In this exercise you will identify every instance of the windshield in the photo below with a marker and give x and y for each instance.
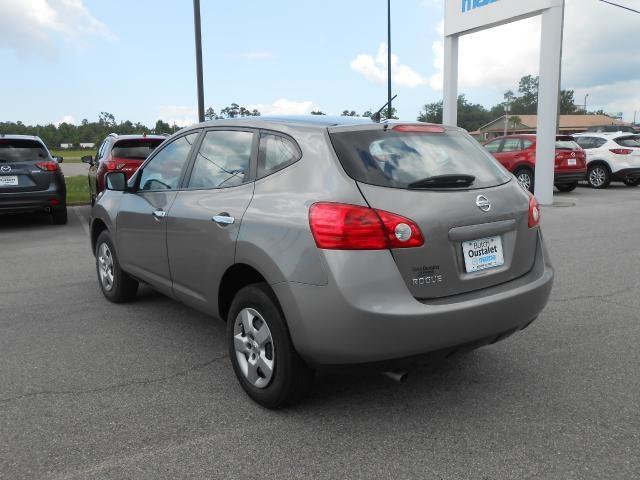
(390, 158)
(135, 149)
(21, 150)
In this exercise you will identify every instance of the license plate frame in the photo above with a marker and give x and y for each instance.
(488, 253)
(572, 162)
(9, 181)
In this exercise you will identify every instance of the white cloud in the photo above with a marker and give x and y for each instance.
(180, 115)
(70, 119)
(284, 106)
(28, 26)
(374, 69)
(599, 55)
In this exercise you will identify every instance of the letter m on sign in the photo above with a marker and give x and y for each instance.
(466, 5)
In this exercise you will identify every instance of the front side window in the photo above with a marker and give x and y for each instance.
(276, 152)
(494, 146)
(223, 160)
(512, 145)
(164, 170)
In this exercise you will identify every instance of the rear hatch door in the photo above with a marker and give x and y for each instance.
(128, 154)
(462, 226)
(569, 155)
(24, 165)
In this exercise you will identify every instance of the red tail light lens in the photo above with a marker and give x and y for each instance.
(111, 165)
(48, 166)
(621, 151)
(534, 212)
(338, 226)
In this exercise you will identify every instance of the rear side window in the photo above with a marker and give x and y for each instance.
(389, 158)
(526, 144)
(223, 160)
(134, 149)
(630, 142)
(163, 172)
(19, 150)
(276, 153)
(494, 146)
(590, 142)
(512, 145)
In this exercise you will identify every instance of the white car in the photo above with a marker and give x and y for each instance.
(611, 157)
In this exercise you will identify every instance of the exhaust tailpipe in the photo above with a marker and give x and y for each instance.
(399, 376)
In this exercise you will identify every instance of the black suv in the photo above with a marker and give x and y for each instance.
(30, 178)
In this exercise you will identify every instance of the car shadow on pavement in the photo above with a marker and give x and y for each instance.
(24, 220)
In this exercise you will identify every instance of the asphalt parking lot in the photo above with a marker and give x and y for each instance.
(89, 389)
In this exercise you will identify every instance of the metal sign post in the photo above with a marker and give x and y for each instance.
(463, 17)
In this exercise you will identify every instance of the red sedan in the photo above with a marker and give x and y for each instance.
(517, 153)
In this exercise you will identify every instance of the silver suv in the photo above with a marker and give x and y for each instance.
(327, 242)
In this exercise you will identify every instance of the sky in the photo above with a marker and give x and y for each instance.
(67, 60)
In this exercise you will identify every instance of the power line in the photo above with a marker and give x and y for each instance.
(620, 6)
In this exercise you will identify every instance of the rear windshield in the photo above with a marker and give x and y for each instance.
(389, 158)
(21, 150)
(135, 149)
(567, 145)
(631, 142)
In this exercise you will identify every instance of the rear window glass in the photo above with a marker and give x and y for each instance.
(390, 158)
(135, 149)
(21, 150)
(567, 145)
(631, 142)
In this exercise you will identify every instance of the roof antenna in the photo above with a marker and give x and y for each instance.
(378, 115)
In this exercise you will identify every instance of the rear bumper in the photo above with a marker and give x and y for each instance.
(569, 176)
(630, 173)
(25, 202)
(375, 319)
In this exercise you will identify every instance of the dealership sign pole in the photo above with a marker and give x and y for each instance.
(463, 17)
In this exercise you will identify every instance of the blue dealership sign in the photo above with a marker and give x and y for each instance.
(473, 4)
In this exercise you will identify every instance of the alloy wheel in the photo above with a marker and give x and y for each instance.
(597, 176)
(254, 347)
(105, 267)
(524, 179)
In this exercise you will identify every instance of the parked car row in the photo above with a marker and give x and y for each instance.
(598, 158)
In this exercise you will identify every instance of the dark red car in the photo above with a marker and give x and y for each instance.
(119, 153)
(517, 153)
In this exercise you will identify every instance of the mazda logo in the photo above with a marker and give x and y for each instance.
(483, 203)
(5, 169)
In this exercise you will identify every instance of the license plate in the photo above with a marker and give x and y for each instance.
(571, 162)
(7, 180)
(482, 254)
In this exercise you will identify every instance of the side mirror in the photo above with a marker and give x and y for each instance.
(116, 181)
(58, 159)
(87, 159)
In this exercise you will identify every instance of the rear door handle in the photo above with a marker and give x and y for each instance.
(159, 213)
(223, 219)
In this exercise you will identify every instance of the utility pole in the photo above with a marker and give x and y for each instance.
(507, 108)
(585, 103)
(196, 22)
(390, 109)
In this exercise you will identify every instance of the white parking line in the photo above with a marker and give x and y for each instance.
(82, 221)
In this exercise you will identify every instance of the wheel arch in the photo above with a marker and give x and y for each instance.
(600, 161)
(97, 227)
(236, 277)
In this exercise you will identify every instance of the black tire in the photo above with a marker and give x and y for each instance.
(59, 216)
(598, 176)
(631, 182)
(291, 378)
(525, 178)
(567, 187)
(123, 287)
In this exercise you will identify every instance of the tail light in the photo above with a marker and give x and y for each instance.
(621, 151)
(48, 166)
(338, 226)
(534, 212)
(111, 165)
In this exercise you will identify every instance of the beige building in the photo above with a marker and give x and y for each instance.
(569, 124)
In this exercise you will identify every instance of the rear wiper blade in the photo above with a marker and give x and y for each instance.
(444, 181)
